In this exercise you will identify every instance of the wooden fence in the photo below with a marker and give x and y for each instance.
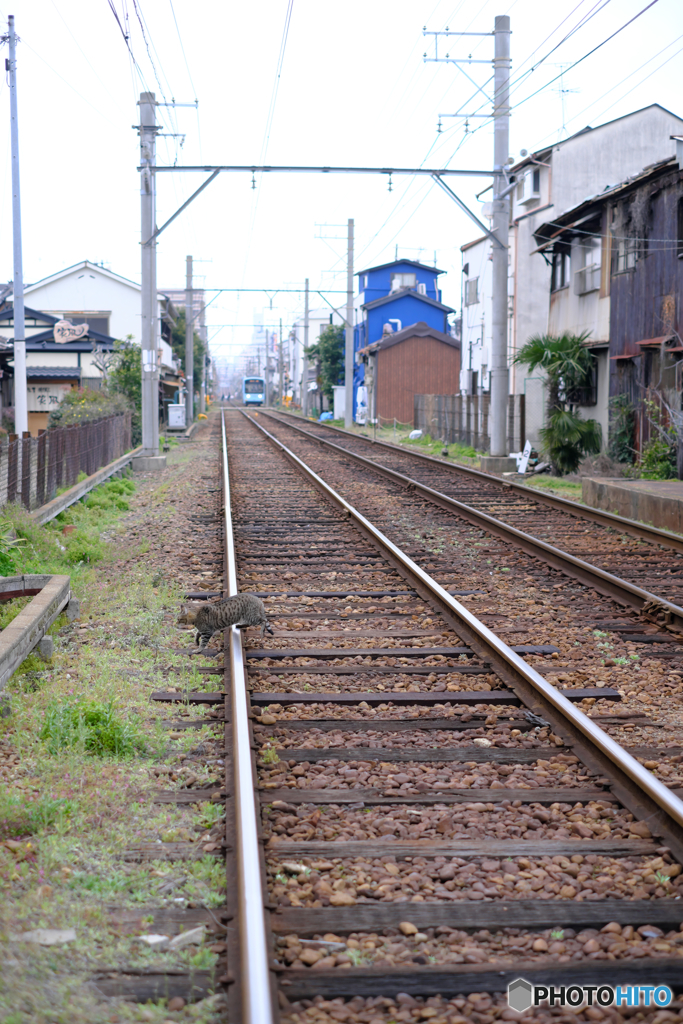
(32, 469)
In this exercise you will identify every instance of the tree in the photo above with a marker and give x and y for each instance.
(178, 346)
(329, 350)
(569, 367)
(125, 378)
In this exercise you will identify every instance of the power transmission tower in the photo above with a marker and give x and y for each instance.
(189, 344)
(501, 215)
(20, 395)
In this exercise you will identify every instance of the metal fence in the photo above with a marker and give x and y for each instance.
(455, 418)
(33, 469)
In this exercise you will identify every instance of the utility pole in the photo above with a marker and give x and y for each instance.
(501, 227)
(348, 360)
(150, 372)
(20, 397)
(499, 235)
(189, 344)
(304, 378)
(281, 368)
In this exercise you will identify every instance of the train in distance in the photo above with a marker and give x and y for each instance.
(253, 391)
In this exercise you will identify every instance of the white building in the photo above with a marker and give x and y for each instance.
(109, 303)
(318, 320)
(104, 305)
(548, 182)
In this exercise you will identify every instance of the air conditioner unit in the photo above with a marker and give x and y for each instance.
(529, 187)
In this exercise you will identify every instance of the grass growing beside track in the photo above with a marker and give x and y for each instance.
(79, 754)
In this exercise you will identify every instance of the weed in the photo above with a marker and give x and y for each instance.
(358, 957)
(10, 609)
(270, 756)
(203, 959)
(557, 933)
(90, 726)
(211, 814)
(22, 817)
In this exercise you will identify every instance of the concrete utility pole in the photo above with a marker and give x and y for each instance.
(348, 354)
(150, 371)
(20, 397)
(189, 344)
(281, 368)
(501, 224)
(304, 376)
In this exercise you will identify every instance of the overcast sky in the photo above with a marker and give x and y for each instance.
(353, 90)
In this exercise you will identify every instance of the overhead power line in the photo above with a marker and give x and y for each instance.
(587, 55)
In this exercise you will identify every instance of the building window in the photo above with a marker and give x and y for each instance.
(587, 394)
(399, 281)
(96, 323)
(472, 291)
(624, 254)
(560, 271)
(529, 187)
(587, 277)
(680, 229)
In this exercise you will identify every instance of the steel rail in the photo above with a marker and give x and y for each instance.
(622, 762)
(591, 575)
(651, 534)
(253, 942)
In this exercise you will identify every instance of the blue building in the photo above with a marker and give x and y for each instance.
(391, 298)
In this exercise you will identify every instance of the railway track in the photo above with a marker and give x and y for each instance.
(432, 819)
(587, 543)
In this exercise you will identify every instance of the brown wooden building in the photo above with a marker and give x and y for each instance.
(416, 360)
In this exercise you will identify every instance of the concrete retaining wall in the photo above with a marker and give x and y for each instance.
(658, 502)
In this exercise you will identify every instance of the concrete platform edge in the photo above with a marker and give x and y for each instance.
(636, 500)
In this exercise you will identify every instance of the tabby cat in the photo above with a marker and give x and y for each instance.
(208, 618)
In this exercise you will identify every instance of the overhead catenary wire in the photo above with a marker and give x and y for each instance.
(401, 199)
(563, 72)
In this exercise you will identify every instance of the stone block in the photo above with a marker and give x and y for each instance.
(497, 464)
(46, 648)
(147, 463)
(73, 609)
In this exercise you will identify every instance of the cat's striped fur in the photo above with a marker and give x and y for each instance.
(211, 617)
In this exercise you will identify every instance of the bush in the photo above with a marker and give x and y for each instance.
(125, 382)
(569, 366)
(91, 727)
(658, 459)
(84, 405)
(8, 549)
(622, 428)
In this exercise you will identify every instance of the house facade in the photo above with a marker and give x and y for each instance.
(106, 307)
(418, 360)
(617, 272)
(549, 182)
(392, 298)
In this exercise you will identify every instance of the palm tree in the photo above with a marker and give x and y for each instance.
(568, 366)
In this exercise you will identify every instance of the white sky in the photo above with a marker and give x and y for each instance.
(354, 90)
